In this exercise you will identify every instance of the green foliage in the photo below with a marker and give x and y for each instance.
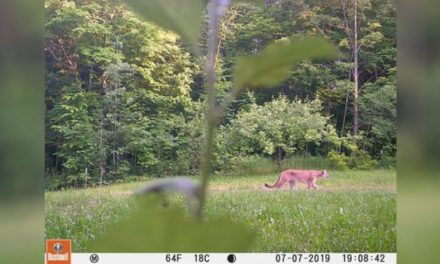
(279, 125)
(350, 155)
(358, 160)
(53, 183)
(387, 162)
(153, 229)
(134, 89)
(75, 119)
(181, 16)
(337, 160)
(379, 116)
(248, 29)
(117, 94)
(272, 66)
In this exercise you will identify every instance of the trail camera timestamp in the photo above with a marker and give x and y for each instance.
(302, 258)
(364, 258)
(332, 258)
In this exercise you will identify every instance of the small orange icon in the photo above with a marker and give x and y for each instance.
(58, 251)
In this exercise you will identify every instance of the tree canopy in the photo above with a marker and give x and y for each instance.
(124, 96)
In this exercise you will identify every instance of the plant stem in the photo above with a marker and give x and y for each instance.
(206, 166)
(216, 9)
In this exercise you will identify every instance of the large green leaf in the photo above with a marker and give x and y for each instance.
(272, 66)
(181, 16)
(155, 229)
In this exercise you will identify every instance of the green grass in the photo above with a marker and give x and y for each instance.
(350, 212)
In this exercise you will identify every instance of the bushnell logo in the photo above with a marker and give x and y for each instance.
(58, 251)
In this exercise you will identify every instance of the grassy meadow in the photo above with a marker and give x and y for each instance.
(352, 211)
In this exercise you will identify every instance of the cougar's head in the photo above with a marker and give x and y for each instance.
(325, 174)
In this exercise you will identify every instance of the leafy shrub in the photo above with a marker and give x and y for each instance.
(124, 167)
(338, 161)
(387, 162)
(53, 183)
(360, 159)
(279, 125)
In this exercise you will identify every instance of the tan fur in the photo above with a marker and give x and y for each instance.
(292, 176)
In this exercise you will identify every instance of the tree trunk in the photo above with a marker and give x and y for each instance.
(279, 156)
(57, 156)
(86, 173)
(343, 120)
(345, 115)
(355, 73)
(101, 150)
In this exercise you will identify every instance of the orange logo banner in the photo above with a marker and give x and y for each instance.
(58, 251)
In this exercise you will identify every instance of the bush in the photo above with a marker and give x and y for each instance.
(52, 183)
(358, 159)
(361, 160)
(278, 125)
(337, 161)
(388, 162)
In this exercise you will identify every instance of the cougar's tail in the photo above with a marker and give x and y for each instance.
(275, 184)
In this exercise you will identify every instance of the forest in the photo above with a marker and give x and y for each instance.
(125, 98)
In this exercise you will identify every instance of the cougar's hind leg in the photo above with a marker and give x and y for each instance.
(292, 184)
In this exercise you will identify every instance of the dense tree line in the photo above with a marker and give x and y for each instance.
(124, 97)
